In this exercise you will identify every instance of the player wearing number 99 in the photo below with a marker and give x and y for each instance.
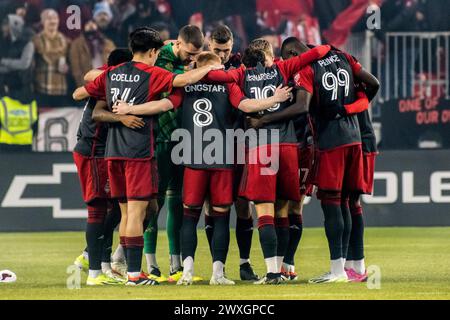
(328, 85)
(130, 146)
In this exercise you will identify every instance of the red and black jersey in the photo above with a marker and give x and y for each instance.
(260, 83)
(303, 130)
(206, 116)
(237, 115)
(91, 135)
(135, 83)
(331, 82)
(368, 139)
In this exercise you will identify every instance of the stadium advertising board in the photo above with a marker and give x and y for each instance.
(40, 191)
(57, 129)
(416, 123)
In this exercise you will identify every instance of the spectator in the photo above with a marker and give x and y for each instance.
(122, 9)
(16, 54)
(145, 15)
(103, 17)
(50, 80)
(18, 118)
(89, 51)
(163, 30)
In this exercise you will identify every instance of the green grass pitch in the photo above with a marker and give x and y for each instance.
(414, 264)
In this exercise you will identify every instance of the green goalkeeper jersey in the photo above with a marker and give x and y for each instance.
(169, 120)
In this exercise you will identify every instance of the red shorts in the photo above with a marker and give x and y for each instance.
(340, 169)
(369, 170)
(133, 179)
(305, 164)
(277, 179)
(216, 184)
(93, 174)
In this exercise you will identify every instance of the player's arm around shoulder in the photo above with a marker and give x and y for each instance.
(102, 114)
(255, 105)
(195, 75)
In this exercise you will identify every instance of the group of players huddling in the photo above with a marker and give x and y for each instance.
(311, 108)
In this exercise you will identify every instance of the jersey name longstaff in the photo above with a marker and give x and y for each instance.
(206, 110)
(334, 86)
(91, 135)
(261, 83)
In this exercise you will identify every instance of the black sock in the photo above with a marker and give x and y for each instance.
(221, 236)
(357, 237)
(295, 234)
(189, 232)
(209, 230)
(94, 232)
(282, 231)
(267, 236)
(135, 246)
(334, 227)
(346, 216)
(112, 219)
(244, 235)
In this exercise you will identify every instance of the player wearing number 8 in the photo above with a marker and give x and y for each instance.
(206, 110)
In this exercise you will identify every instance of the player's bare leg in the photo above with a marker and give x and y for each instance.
(268, 239)
(151, 231)
(244, 235)
(119, 258)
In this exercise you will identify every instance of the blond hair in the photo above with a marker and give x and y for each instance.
(207, 57)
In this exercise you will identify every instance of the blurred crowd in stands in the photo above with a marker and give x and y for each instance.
(43, 59)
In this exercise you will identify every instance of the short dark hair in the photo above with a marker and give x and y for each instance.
(193, 35)
(252, 57)
(144, 39)
(292, 47)
(260, 44)
(222, 34)
(118, 56)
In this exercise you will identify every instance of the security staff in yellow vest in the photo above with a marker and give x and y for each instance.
(18, 121)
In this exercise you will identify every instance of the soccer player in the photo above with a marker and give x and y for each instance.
(261, 183)
(221, 43)
(355, 265)
(174, 57)
(206, 109)
(129, 148)
(89, 153)
(329, 83)
(290, 48)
